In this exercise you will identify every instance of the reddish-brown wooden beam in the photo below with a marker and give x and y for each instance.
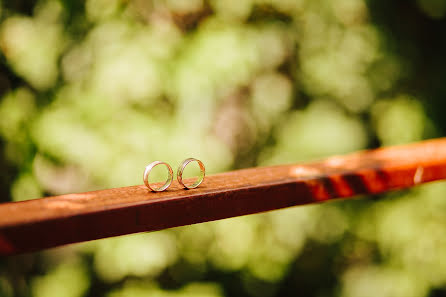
(48, 222)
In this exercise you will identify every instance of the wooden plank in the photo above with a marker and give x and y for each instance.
(48, 222)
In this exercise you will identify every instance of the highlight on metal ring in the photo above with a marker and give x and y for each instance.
(181, 169)
(147, 172)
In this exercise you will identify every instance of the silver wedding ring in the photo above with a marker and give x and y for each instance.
(181, 169)
(147, 172)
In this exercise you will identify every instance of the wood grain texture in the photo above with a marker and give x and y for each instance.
(52, 221)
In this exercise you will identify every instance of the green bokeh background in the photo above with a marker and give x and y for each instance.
(92, 91)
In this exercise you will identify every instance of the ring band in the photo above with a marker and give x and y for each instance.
(147, 172)
(181, 169)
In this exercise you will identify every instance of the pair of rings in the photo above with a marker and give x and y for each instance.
(170, 176)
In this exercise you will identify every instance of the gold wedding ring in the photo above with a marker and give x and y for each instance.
(147, 172)
(181, 169)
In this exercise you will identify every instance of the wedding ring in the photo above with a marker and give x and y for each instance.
(181, 169)
(147, 172)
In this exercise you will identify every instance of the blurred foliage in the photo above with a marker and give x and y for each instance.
(91, 91)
